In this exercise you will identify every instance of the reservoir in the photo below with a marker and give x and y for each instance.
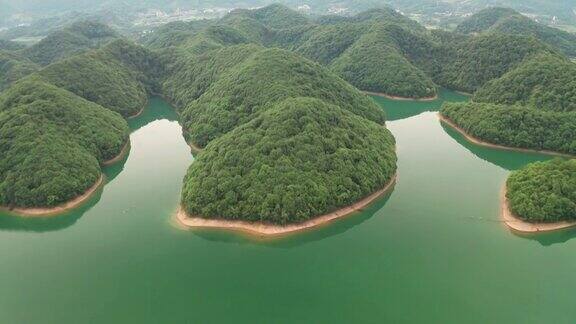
(432, 250)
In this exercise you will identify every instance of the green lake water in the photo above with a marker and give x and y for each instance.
(433, 250)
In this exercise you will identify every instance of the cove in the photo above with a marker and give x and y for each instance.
(432, 250)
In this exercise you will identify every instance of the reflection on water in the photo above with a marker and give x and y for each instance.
(507, 159)
(161, 110)
(401, 109)
(550, 238)
(336, 227)
(47, 224)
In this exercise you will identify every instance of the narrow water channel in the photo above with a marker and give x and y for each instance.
(433, 250)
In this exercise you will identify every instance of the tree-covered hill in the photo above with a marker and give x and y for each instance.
(387, 15)
(378, 50)
(75, 38)
(274, 16)
(374, 63)
(52, 142)
(13, 67)
(515, 126)
(545, 81)
(267, 76)
(487, 57)
(485, 19)
(174, 33)
(115, 76)
(214, 37)
(300, 158)
(544, 192)
(278, 26)
(508, 21)
(189, 76)
(323, 43)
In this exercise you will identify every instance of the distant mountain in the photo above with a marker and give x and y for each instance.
(505, 20)
(74, 39)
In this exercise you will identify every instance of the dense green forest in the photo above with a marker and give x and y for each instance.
(115, 76)
(60, 122)
(484, 20)
(189, 76)
(508, 21)
(220, 82)
(300, 158)
(52, 142)
(545, 81)
(515, 126)
(374, 64)
(487, 57)
(76, 38)
(264, 112)
(544, 191)
(378, 50)
(267, 76)
(324, 41)
(13, 67)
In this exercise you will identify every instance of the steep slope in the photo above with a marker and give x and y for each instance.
(508, 21)
(13, 67)
(52, 142)
(274, 16)
(546, 82)
(484, 20)
(375, 64)
(324, 44)
(189, 76)
(115, 76)
(266, 77)
(488, 57)
(214, 37)
(76, 38)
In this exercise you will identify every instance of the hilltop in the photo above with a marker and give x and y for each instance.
(508, 21)
(73, 39)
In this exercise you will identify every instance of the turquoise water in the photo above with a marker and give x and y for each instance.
(433, 250)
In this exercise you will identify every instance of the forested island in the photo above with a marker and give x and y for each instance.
(271, 96)
(541, 196)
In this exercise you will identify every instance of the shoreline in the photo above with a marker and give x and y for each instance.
(120, 156)
(518, 225)
(263, 229)
(137, 113)
(195, 148)
(57, 210)
(379, 94)
(141, 110)
(477, 141)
